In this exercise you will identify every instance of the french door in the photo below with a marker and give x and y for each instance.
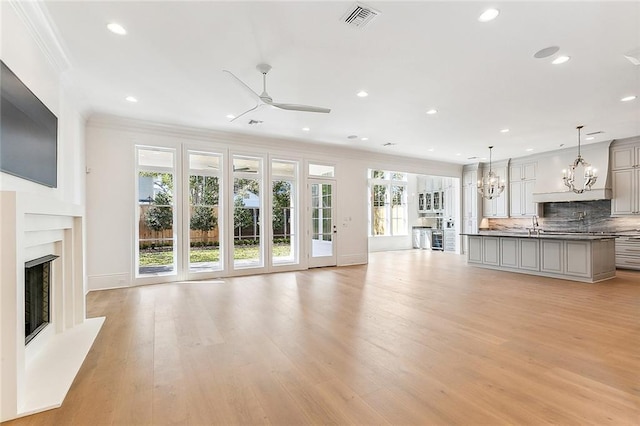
(322, 229)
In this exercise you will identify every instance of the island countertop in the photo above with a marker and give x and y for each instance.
(590, 236)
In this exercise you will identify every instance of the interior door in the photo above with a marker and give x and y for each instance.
(322, 229)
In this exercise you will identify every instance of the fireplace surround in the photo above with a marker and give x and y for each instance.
(37, 376)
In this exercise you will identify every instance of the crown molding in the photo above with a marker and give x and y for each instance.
(36, 18)
(329, 152)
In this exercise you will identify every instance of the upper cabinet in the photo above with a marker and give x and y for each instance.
(522, 180)
(625, 156)
(625, 175)
(470, 194)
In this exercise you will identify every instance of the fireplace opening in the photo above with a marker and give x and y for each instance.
(37, 285)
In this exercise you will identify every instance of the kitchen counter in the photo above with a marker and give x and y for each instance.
(578, 257)
(548, 235)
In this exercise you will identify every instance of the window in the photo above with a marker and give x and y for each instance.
(247, 215)
(156, 234)
(205, 254)
(284, 217)
(388, 203)
(321, 170)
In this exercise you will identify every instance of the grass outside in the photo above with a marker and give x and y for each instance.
(199, 255)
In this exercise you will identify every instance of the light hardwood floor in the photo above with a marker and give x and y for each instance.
(415, 337)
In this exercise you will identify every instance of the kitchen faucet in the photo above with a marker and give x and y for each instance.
(534, 222)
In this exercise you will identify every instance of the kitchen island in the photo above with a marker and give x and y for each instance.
(577, 257)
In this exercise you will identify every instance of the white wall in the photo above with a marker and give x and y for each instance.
(26, 49)
(22, 51)
(111, 185)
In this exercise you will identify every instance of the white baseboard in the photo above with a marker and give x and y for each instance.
(108, 281)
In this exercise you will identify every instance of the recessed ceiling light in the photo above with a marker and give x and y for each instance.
(560, 60)
(489, 15)
(362, 94)
(230, 116)
(590, 138)
(430, 150)
(116, 28)
(628, 98)
(364, 139)
(529, 149)
(504, 131)
(458, 154)
(305, 129)
(546, 52)
(432, 111)
(131, 99)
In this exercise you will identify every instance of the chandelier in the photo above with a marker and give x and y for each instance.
(490, 186)
(579, 167)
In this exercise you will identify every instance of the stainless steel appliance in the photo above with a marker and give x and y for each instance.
(436, 240)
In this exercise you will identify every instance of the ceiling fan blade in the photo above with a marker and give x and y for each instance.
(305, 108)
(246, 112)
(242, 84)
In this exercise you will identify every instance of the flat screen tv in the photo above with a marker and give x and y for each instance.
(28, 133)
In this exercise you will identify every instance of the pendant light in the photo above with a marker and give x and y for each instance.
(490, 186)
(579, 167)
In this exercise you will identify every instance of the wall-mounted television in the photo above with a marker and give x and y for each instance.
(28, 133)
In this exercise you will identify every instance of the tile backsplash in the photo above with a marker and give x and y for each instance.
(576, 216)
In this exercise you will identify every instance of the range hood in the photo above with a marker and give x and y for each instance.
(549, 186)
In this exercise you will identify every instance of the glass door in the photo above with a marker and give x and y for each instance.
(323, 224)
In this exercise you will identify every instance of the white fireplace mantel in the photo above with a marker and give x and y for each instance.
(37, 377)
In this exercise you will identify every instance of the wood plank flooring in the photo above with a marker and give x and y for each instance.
(414, 337)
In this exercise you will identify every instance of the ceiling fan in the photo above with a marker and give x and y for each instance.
(265, 99)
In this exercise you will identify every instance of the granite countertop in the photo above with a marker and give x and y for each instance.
(551, 236)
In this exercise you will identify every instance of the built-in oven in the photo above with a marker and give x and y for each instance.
(437, 240)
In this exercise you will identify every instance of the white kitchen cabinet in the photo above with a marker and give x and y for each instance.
(626, 185)
(522, 180)
(450, 240)
(577, 258)
(628, 252)
(625, 166)
(566, 257)
(625, 156)
(509, 252)
(474, 251)
(529, 252)
(469, 204)
(491, 251)
(552, 259)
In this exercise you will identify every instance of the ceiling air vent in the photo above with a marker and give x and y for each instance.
(595, 133)
(359, 15)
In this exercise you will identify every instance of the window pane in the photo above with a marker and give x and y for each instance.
(321, 170)
(247, 203)
(204, 162)
(283, 222)
(283, 168)
(155, 158)
(204, 213)
(377, 174)
(155, 227)
(246, 165)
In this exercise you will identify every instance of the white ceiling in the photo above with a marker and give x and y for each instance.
(481, 77)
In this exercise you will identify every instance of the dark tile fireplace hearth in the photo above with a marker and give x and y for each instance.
(37, 283)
